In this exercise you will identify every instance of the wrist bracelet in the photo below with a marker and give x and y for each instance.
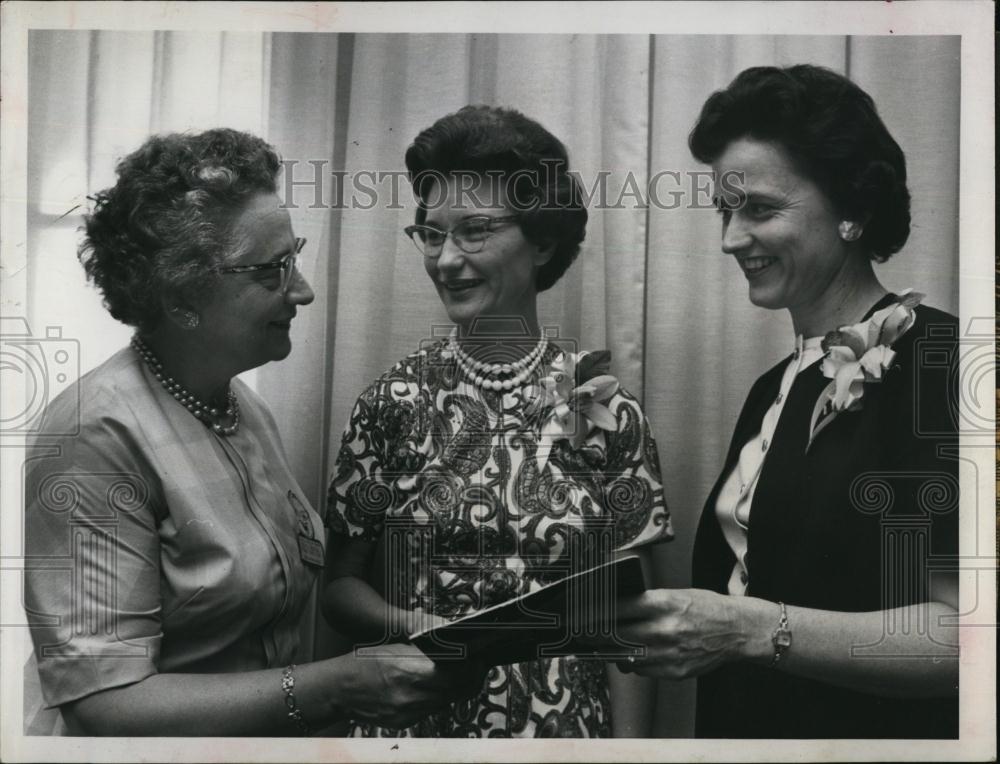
(294, 713)
(782, 636)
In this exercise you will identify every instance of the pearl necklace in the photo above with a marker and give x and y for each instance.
(207, 414)
(485, 375)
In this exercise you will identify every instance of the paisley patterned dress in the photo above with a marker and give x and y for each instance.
(445, 475)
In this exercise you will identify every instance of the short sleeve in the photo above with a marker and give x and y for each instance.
(362, 488)
(92, 570)
(633, 489)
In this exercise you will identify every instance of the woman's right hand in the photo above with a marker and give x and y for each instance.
(687, 632)
(396, 685)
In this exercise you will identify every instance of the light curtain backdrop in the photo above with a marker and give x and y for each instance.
(651, 283)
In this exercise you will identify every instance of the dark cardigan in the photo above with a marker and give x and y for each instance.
(854, 523)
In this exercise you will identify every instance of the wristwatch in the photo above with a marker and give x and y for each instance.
(782, 636)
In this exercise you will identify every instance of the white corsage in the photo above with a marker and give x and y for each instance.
(569, 400)
(860, 354)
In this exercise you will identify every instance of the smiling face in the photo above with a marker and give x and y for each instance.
(246, 322)
(782, 231)
(499, 280)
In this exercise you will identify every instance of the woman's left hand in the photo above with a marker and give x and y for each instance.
(686, 632)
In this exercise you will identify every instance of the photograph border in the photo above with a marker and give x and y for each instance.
(973, 21)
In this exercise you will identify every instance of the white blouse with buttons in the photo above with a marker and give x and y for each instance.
(736, 496)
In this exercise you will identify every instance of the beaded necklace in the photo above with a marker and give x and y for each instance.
(497, 376)
(206, 413)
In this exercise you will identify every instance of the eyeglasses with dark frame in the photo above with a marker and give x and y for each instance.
(469, 235)
(286, 265)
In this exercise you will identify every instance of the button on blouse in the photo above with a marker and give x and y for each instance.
(736, 496)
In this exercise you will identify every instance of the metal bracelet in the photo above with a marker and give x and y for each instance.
(294, 713)
(782, 636)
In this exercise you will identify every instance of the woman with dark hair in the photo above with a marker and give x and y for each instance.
(492, 462)
(825, 605)
(160, 479)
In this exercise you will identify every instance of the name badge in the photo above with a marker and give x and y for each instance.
(302, 515)
(311, 551)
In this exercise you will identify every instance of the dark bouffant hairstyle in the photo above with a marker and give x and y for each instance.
(166, 225)
(506, 146)
(831, 129)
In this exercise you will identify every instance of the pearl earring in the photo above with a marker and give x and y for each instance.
(849, 230)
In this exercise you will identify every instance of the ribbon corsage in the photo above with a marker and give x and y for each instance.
(860, 354)
(569, 400)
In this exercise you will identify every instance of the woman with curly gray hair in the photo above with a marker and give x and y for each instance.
(194, 550)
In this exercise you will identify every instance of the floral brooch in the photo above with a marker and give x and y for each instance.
(569, 400)
(860, 354)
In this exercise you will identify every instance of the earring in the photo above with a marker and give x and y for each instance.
(189, 319)
(849, 230)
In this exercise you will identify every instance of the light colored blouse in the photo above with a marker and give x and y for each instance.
(736, 496)
(155, 545)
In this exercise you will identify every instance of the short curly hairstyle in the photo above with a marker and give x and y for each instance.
(505, 145)
(831, 129)
(166, 225)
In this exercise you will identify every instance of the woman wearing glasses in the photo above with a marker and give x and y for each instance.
(493, 461)
(162, 479)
